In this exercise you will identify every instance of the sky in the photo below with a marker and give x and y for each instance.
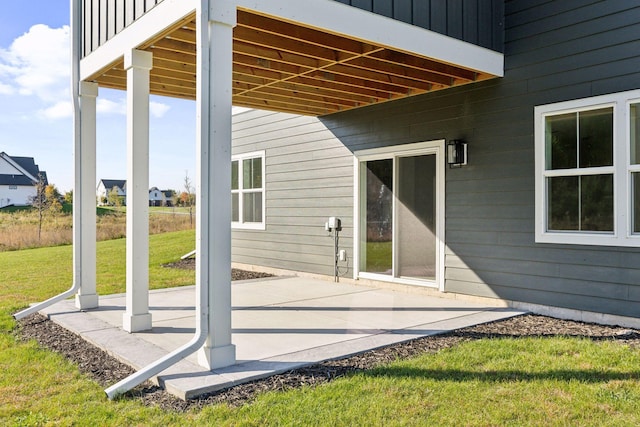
(36, 113)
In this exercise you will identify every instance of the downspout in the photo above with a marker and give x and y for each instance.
(163, 363)
(75, 88)
(202, 290)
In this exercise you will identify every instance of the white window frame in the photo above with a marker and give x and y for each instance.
(240, 191)
(437, 148)
(622, 209)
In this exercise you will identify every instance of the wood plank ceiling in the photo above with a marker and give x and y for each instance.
(287, 67)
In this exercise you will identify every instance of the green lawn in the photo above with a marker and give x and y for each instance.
(528, 381)
(174, 209)
(379, 257)
(152, 209)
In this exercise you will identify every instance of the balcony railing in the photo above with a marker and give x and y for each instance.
(102, 19)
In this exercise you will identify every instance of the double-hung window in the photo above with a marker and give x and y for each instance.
(588, 171)
(247, 191)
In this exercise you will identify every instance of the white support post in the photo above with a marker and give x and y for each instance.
(84, 203)
(137, 317)
(213, 192)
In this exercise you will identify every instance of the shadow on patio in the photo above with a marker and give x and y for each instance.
(278, 325)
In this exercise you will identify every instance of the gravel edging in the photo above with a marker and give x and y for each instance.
(106, 370)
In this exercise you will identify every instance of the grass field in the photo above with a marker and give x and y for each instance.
(19, 225)
(528, 381)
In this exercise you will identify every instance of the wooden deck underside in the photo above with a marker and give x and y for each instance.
(283, 66)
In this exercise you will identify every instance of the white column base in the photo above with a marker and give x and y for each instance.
(136, 322)
(217, 357)
(86, 302)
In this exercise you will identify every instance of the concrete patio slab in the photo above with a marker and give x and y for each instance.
(278, 324)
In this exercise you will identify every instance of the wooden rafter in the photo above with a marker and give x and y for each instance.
(283, 66)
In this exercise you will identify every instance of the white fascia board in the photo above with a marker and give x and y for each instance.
(350, 21)
(163, 15)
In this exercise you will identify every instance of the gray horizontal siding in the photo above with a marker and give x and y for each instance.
(475, 21)
(103, 19)
(554, 51)
(309, 177)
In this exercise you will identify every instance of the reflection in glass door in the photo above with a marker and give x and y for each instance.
(378, 229)
(398, 235)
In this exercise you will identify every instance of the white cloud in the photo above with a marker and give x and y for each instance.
(6, 89)
(37, 63)
(107, 106)
(157, 109)
(119, 106)
(60, 110)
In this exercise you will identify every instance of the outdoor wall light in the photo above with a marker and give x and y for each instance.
(456, 153)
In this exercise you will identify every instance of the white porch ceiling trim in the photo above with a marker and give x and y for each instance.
(327, 15)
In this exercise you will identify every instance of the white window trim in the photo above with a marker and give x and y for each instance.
(436, 147)
(250, 225)
(622, 224)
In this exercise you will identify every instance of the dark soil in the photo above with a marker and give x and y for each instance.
(106, 370)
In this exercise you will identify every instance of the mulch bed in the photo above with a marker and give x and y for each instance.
(236, 274)
(106, 370)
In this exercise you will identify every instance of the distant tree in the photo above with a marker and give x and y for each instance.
(68, 197)
(189, 197)
(183, 198)
(175, 197)
(38, 201)
(113, 198)
(52, 195)
(46, 199)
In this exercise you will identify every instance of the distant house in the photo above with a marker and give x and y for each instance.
(168, 197)
(156, 197)
(106, 186)
(18, 179)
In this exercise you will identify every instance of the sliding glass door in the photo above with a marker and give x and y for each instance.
(398, 233)
(377, 236)
(415, 210)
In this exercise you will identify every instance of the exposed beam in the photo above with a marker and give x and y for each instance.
(259, 38)
(299, 33)
(394, 57)
(282, 65)
(400, 71)
(372, 75)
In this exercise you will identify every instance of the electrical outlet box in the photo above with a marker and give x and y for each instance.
(334, 223)
(343, 255)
